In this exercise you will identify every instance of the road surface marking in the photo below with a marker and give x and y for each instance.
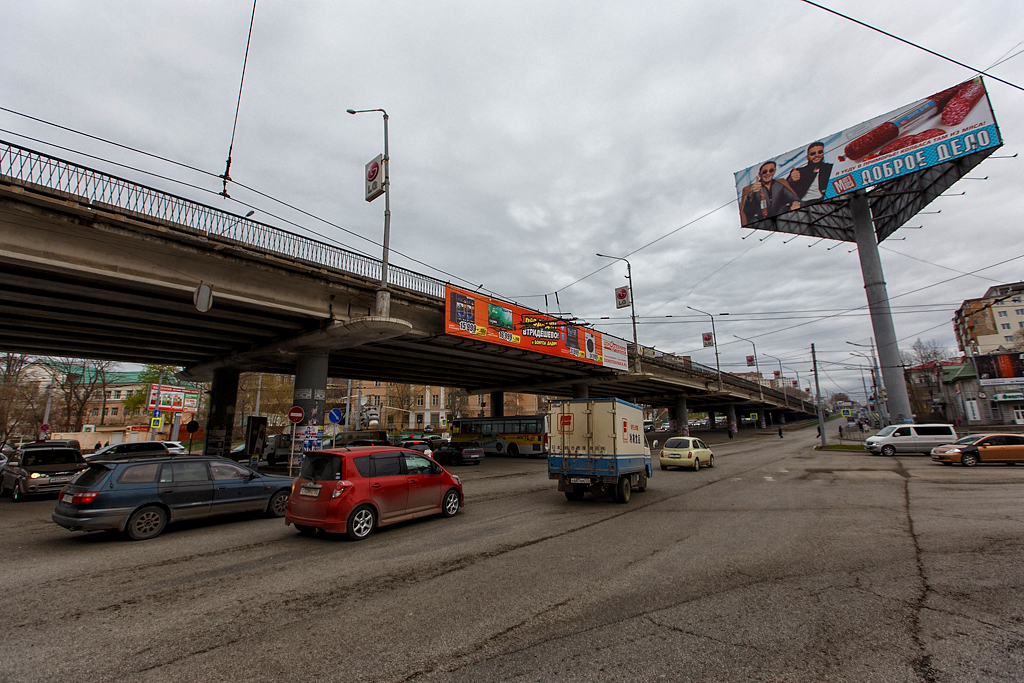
(769, 479)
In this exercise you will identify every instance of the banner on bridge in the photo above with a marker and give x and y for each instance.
(480, 317)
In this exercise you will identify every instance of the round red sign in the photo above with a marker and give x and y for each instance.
(296, 414)
(372, 171)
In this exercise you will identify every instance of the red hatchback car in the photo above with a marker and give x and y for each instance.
(354, 490)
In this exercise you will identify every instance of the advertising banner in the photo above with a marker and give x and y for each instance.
(173, 399)
(374, 177)
(708, 339)
(1000, 368)
(622, 298)
(947, 125)
(480, 317)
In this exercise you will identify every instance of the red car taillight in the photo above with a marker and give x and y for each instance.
(341, 488)
(661, 454)
(84, 497)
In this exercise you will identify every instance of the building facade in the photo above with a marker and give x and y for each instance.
(994, 322)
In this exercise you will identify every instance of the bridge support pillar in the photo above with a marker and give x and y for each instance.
(711, 418)
(682, 416)
(221, 418)
(497, 404)
(310, 390)
(734, 425)
(782, 417)
(580, 390)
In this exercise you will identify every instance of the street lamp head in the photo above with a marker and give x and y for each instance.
(249, 214)
(351, 111)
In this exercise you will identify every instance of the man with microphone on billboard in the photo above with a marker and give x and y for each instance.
(768, 196)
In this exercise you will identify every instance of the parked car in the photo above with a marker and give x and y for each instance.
(138, 449)
(459, 453)
(417, 445)
(367, 442)
(355, 490)
(910, 439)
(42, 467)
(686, 451)
(141, 496)
(980, 448)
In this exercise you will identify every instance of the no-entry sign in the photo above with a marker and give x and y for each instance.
(295, 414)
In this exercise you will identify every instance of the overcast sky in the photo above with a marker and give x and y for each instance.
(527, 136)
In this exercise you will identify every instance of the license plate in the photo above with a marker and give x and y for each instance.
(311, 491)
(579, 480)
(58, 480)
(674, 455)
(66, 498)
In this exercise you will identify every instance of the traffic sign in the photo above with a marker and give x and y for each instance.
(156, 413)
(156, 423)
(295, 414)
(335, 415)
(44, 428)
(192, 427)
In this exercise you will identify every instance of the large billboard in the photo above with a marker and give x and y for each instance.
(173, 399)
(475, 316)
(947, 125)
(1000, 368)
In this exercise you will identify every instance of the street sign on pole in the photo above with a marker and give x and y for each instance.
(335, 415)
(295, 414)
(44, 428)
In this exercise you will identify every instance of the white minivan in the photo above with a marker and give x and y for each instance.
(910, 439)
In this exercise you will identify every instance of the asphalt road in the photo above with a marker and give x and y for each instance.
(780, 564)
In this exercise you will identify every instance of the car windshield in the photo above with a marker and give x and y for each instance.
(887, 431)
(967, 439)
(677, 443)
(319, 467)
(57, 456)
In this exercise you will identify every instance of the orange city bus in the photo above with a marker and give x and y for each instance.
(513, 434)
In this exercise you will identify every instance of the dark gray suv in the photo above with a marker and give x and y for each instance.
(43, 467)
(140, 496)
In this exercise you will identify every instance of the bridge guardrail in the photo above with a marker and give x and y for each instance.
(22, 166)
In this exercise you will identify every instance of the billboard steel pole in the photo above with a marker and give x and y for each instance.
(881, 315)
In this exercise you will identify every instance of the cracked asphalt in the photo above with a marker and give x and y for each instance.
(780, 564)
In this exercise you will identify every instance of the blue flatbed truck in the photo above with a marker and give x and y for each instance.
(598, 446)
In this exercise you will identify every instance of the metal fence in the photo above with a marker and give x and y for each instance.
(30, 168)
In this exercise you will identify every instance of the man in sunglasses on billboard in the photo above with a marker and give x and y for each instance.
(810, 181)
(768, 196)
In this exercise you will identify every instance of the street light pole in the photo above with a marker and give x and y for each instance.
(383, 294)
(714, 338)
(780, 377)
(632, 308)
(757, 367)
(877, 379)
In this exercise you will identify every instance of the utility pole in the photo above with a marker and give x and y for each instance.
(817, 390)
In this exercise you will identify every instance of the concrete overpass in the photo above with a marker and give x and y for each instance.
(96, 266)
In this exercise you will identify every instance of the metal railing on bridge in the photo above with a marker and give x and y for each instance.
(21, 166)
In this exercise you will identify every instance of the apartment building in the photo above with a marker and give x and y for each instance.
(994, 322)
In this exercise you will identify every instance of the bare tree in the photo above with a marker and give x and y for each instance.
(455, 402)
(77, 381)
(19, 397)
(925, 352)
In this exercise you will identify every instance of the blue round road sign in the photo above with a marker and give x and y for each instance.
(335, 415)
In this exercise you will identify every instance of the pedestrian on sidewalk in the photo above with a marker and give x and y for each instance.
(840, 431)
(780, 432)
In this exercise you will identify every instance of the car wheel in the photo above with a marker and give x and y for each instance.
(451, 503)
(278, 504)
(361, 523)
(271, 459)
(512, 450)
(623, 490)
(146, 523)
(888, 451)
(16, 492)
(696, 464)
(664, 467)
(305, 530)
(574, 495)
(969, 460)
(711, 460)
